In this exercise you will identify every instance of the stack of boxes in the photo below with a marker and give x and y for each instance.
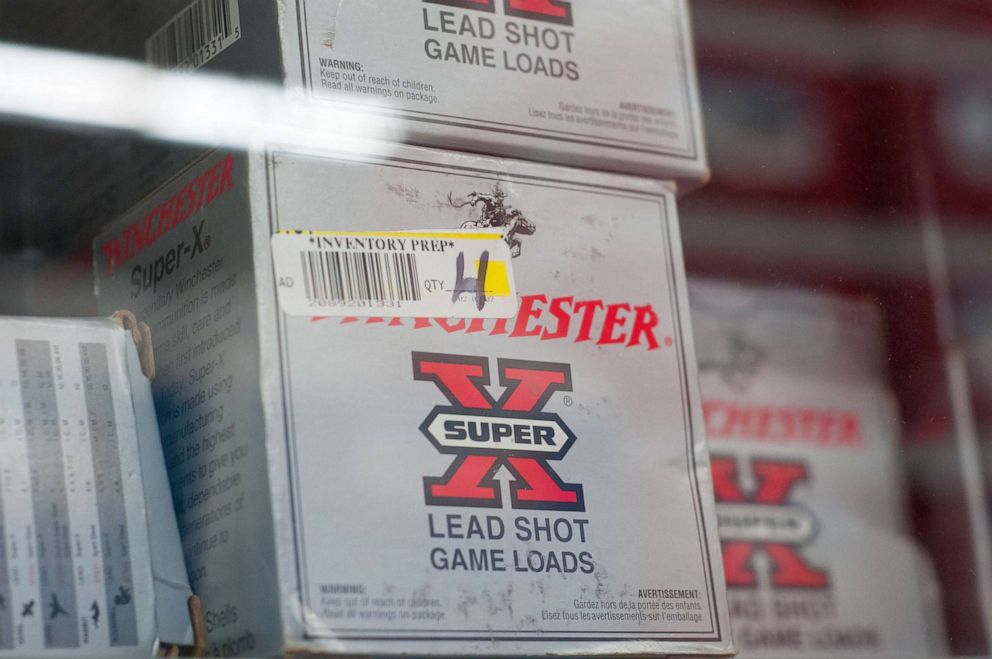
(424, 398)
(441, 397)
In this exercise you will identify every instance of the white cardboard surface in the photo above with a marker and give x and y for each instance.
(804, 436)
(91, 557)
(325, 499)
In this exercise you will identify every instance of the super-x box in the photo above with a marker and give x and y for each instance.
(805, 441)
(429, 402)
(607, 86)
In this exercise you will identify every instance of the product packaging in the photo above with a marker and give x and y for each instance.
(808, 481)
(427, 402)
(607, 86)
(90, 561)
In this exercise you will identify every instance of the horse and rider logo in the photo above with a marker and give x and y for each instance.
(495, 213)
(739, 363)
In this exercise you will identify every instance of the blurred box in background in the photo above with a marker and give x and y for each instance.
(805, 442)
(908, 78)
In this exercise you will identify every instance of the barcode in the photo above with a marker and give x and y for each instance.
(195, 36)
(342, 277)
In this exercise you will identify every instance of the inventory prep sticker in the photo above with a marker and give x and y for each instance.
(462, 273)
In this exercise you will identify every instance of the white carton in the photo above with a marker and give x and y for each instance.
(607, 86)
(610, 86)
(492, 479)
(805, 438)
(90, 558)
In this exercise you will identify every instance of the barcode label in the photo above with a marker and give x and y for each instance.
(464, 273)
(195, 36)
(343, 277)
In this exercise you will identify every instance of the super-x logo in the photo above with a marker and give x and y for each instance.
(552, 11)
(764, 519)
(485, 435)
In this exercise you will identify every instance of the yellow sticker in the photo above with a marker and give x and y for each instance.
(497, 279)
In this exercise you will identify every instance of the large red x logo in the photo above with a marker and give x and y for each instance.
(553, 11)
(485, 434)
(765, 514)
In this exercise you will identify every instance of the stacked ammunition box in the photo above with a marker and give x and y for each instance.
(805, 439)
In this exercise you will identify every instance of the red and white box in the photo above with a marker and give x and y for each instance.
(804, 439)
(602, 86)
(432, 402)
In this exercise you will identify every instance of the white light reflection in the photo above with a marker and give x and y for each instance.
(194, 108)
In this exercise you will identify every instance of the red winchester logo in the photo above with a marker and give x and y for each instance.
(764, 520)
(552, 11)
(197, 194)
(485, 434)
(554, 319)
(783, 424)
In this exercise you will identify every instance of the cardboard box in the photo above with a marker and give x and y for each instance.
(454, 484)
(603, 86)
(91, 561)
(808, 478)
